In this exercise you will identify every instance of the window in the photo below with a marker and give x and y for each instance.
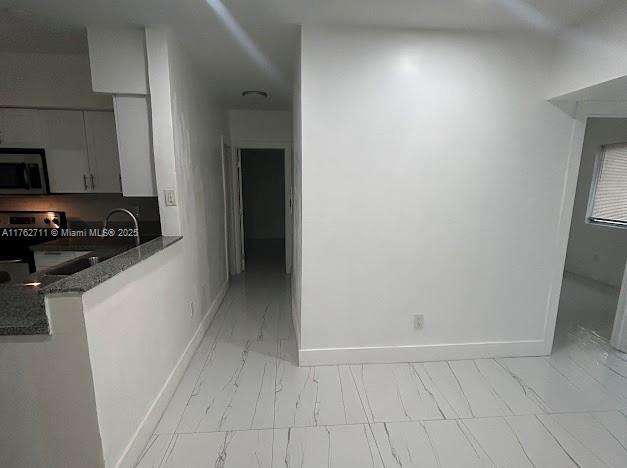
(608, 195)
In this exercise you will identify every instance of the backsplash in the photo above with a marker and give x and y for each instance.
(89, 208)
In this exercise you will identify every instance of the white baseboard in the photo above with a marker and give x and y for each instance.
(296, 324)
(420, 353)
(142, 435)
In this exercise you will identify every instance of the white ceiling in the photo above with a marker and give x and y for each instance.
(21, 31)
(57, 26)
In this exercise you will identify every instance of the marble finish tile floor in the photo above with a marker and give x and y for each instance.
(243, 403)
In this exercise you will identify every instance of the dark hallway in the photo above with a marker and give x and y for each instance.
(263, 194)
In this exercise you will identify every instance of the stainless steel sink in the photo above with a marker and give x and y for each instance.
(74, 266)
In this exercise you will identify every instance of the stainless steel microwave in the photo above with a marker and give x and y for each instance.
(23, 171)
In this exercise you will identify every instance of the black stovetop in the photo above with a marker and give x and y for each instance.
(21, 229)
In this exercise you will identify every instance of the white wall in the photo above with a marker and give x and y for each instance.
(296, 279)
(140, 327)
(48, 80)
(433, 175)
(199, 122)
(164, 299)
(92, 392)
(157, 312)
(186, 119)
(595, 251)
(592, 52)
(159, 79)
(47, 404)
(260, 126)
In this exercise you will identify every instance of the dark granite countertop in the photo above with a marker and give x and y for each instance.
(89, 243)
(22, 310)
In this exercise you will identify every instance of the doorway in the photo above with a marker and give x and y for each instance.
(263, 206)
(597, 250)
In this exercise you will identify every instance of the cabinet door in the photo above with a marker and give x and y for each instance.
(20, 128)
(132, 118)
(66, 151)
(102, 150)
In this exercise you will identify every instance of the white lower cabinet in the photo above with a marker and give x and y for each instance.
(49, 258)
(81, 151)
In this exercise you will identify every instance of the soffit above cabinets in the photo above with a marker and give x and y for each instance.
(117, 57)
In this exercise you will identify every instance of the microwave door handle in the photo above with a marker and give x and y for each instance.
(23, 177)
(26, 177)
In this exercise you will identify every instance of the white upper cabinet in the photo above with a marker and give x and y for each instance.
(84, 153)
(81, 151)
(66, 151)
(20, 128)
(132, 118)
(102, 151)
(119, 66)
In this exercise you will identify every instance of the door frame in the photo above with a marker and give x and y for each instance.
(236, 208)
(581, 111)
(225, 157)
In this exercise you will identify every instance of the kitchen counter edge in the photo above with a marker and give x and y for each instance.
(22, 308)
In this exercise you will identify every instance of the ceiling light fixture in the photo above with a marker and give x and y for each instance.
(255, 92)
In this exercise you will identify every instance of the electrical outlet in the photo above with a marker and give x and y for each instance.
(419, 321)
(170, 197)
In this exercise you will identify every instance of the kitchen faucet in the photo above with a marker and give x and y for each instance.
(131, 215)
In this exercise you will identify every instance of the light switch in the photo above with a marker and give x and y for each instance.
(170, 197)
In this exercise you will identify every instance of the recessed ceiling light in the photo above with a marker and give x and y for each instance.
(255, 92)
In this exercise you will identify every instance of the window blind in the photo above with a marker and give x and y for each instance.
(609, 202)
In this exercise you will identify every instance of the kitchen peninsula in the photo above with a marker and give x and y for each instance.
(22, 305)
